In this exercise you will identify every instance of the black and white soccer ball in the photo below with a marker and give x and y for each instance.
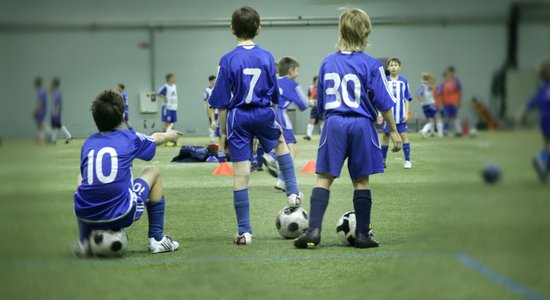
(345, 228)
(108, 243)
(291, 222)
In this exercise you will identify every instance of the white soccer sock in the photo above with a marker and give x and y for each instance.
(66, 132)
(427, 127)
(440, 128)
(53, 135)
(309, 130)
(458, 128)
(211, 133)
(432, 127)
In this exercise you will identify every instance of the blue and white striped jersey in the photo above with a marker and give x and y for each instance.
(400, 91)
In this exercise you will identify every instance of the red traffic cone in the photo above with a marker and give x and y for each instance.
(309, 168)
(223, 169)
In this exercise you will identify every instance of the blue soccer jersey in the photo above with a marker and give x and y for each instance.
(42, 100)
(289, 92)
(399, 89)
(541, 101)
(246, 77)
(105, 193)
(352, 83)
(57, 104)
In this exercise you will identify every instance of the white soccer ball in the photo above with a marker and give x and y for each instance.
(345, 228)
(291, 222)
(108, 243)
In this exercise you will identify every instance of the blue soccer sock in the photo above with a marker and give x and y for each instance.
(155, 214)
(407, 151)
(384, 151)
(259, 154)
(242, 210)
(286, 166)
(84, 230)
(319, 202)
(362, 203)
(544, 156)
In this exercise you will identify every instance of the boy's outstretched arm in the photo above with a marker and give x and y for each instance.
(394, 135)
(163, 137)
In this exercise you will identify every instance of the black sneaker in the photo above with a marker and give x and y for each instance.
(368, 241)
(540, 168)
(69, 140)
(384, 163)
(307, 138)
(310, 239)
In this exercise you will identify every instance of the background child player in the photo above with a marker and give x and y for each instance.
(425, 95)
(451, 95)
(39, 112)
(399, 87)
(57, 108)
(351, 91)
(108, 197)
(212, 121)
(169, 95)
(314, 117)
(541, 101)
(246, 90)
(290, 92)
(121, 89)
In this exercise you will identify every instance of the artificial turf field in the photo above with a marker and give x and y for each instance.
(444, 233)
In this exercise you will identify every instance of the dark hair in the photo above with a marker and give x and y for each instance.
(121, 85)
(315, 78)
(245, 22)
(395, 59)
(211, 77)
(285, 64)
(37, 81)
(107, 109)
(169, 75)
(451, 69)
(56, 82)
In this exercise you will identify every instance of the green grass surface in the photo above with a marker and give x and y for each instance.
(423, 217)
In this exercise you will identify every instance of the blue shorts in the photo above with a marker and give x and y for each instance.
(56, 122)
(354, 138)
(126, 115)
(545, 126)
(401, 127)
(140, 194)
(169, 116)
(288, 132)
(39, 118)
(243, 124)
(429, 110)
(449, 111)
(313, 114)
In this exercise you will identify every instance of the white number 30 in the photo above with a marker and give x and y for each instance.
(335, 90)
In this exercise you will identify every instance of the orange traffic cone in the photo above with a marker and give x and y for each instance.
(223, 169)
(309, 168)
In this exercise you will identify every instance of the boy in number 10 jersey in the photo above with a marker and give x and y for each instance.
(351, 90)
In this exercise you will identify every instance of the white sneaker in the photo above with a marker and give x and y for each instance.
(295, 200)
(407, 165)
(243, 239)
(271, 164)
(82, 249)
(167, 244)
(280, 185)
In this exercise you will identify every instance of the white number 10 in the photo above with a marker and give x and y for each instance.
(335, 90)
(255, 72)
(99, 165)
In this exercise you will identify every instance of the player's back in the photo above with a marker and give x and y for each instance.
(246, 78)
(541, 100)
(426, 92)
(289, 92)
(105, 165)
(352, 83)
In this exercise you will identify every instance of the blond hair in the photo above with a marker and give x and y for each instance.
(354, 27)
(426, 76)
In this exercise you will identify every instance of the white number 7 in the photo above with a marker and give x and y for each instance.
(255, 72)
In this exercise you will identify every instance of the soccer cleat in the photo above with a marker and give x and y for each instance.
(307, 138)
(280, 185)
(167, 244)
(69, 140)
(271, 164)
(295, 200)
(310, 239)
(407, 164)
(384, 163)
(243, 239)
(365, 241)
(82, 249)
(540, 168)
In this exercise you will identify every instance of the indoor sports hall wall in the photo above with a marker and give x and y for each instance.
(424, 34)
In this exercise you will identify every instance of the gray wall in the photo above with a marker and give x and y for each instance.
(88, 61)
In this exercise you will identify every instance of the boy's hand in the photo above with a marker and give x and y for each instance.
(396, 141)
(172, 132)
